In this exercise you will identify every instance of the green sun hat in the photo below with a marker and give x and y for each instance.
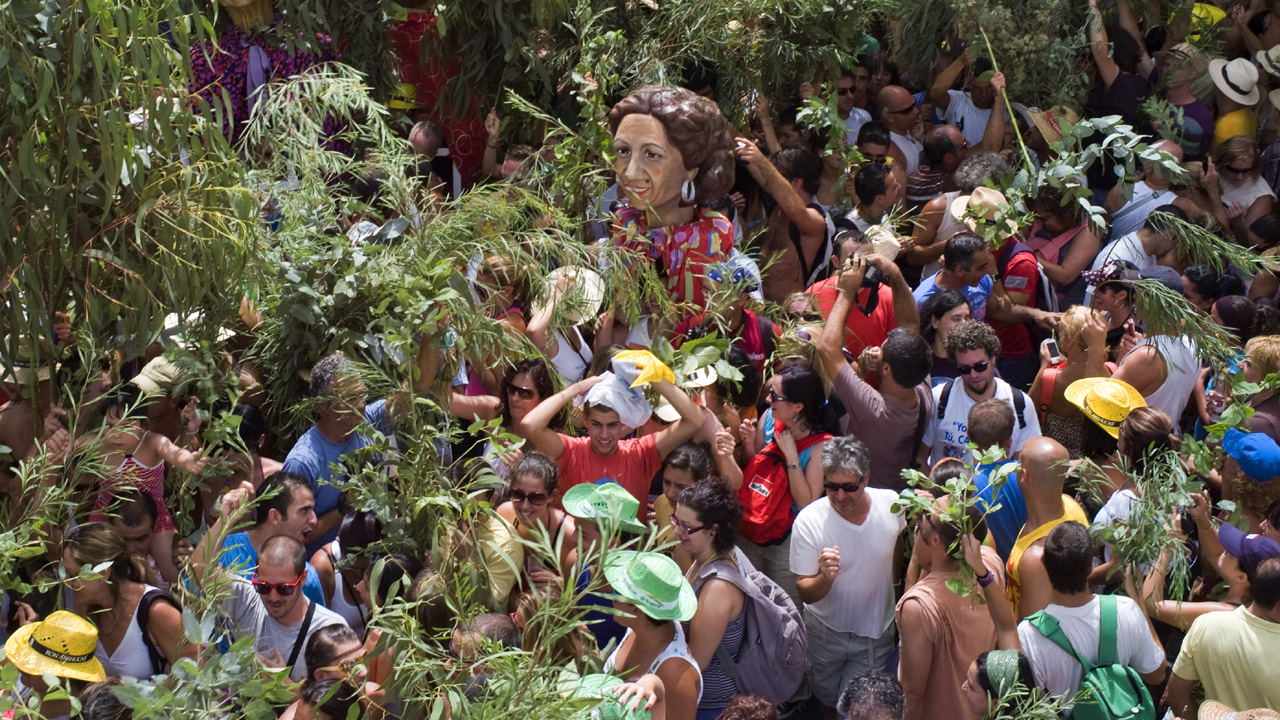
(601, 686)
(652, 582)
(606, 502)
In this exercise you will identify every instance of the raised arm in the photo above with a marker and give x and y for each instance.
(940, 93)
(993, 136)
(808, 221)
(766, 123)
(492, 128)
(904, 303)
(1130, 25)
(831, 344)
(210, 547)
(1100, 46)
(691, 418)
(535, 424)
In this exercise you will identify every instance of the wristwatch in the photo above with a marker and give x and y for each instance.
(793, 466)
(985, 579)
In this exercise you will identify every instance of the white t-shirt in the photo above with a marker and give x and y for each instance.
(249, 617)
(1116, 510)
(1128, 248)
(857, 118)
(966, 117)
(949, 436)
(1244, 193)
(1059, 673)
(861, 598)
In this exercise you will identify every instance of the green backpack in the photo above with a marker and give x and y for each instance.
(1108, 690)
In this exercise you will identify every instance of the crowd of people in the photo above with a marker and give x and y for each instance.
(741, 546)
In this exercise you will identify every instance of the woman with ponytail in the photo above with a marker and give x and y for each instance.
(135, 638)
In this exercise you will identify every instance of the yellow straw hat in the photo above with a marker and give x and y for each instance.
(61, 644)
(1105, 401)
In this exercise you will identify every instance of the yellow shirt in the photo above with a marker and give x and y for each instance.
(1235, 655)
(1071, 512)
(1238, 122)
(662, 512)
(503, 555)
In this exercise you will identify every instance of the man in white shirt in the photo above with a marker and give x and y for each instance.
(1068, 560)
(271, 606)
(1142, 248)
(851, 94)
(898, 111)
(975, 348)
(843, 548)
(966, 111)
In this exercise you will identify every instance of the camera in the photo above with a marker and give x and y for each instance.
(873, 278)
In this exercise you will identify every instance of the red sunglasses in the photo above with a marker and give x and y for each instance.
(283, 589)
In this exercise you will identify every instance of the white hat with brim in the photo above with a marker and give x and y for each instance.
(1237, 79)
(987, 202)
(1269, 60)
(18, 370)
(583, 297)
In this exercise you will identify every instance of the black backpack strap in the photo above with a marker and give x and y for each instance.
(920, 423)
(159, 664)
(766, 336)
(944, 397)
(1019, 406)
(793, 232)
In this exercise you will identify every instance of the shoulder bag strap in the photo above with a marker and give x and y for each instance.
(1108, 653)
(159, 663)
(944, 397)
(1047, 625)
(920, 423)
(1046, 389)
(302, 635)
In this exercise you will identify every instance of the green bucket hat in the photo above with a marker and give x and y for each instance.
(652, 582)
(606, 502)
(601, 686)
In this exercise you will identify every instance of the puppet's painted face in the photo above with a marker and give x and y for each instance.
(650, 168)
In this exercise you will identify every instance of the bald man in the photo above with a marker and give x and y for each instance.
(1149, 193)
(1044, 472)
(898, 111)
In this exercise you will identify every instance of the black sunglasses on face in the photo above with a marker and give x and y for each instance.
(843, 91)
(848, 488)
(537, 498)
(978, 366)
(904, 111)
(775, 397)
(523, 392)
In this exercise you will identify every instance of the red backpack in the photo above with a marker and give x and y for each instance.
(766, 493)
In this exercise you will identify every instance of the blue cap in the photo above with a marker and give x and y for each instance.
(1257, 454)
(1249, 550)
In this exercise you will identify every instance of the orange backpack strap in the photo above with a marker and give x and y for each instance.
(1046, 389)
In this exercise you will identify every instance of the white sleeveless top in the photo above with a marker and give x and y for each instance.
(638, 334)
(1182, 372)
(131, 658)
(571, 364)
(353, 614)
(678, 648)
(910, 148)
(950, 225)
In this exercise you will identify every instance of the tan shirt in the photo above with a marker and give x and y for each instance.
(959, 629)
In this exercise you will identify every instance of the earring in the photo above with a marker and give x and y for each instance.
(687, 191)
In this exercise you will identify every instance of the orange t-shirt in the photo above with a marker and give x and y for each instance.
(633, 466)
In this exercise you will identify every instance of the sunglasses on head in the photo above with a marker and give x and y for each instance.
(524, 392)
(535, 498)
(282, 589)
(848, 488)
(978, 366)
(346, 666)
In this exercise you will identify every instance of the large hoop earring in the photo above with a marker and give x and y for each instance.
(687, 191)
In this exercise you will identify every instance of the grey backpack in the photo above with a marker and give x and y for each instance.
(771, 661)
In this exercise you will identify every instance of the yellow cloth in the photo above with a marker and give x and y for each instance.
(1234, 654)
(1071, 511)
(503, 555)
(1238, 122)
(648, 367)
(662, 512)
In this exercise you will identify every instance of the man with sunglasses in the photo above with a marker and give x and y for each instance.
(270, 606)
(851, 95)
(287, 508)
(900, 113)
(843, 548)
(975, 348)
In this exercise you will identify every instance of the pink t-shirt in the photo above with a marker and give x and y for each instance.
(633, 466)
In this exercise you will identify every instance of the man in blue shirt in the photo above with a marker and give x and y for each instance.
(965, 265)
(991, 425)
(288, 508)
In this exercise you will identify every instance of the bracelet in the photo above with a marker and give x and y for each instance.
(985, 580)
(492, 146)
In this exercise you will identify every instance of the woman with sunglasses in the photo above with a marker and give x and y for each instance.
(526, 384)
(112, 598)
(342, 563)
(534, 481)
(795, 427)
(1245, 194)
(706, 524)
